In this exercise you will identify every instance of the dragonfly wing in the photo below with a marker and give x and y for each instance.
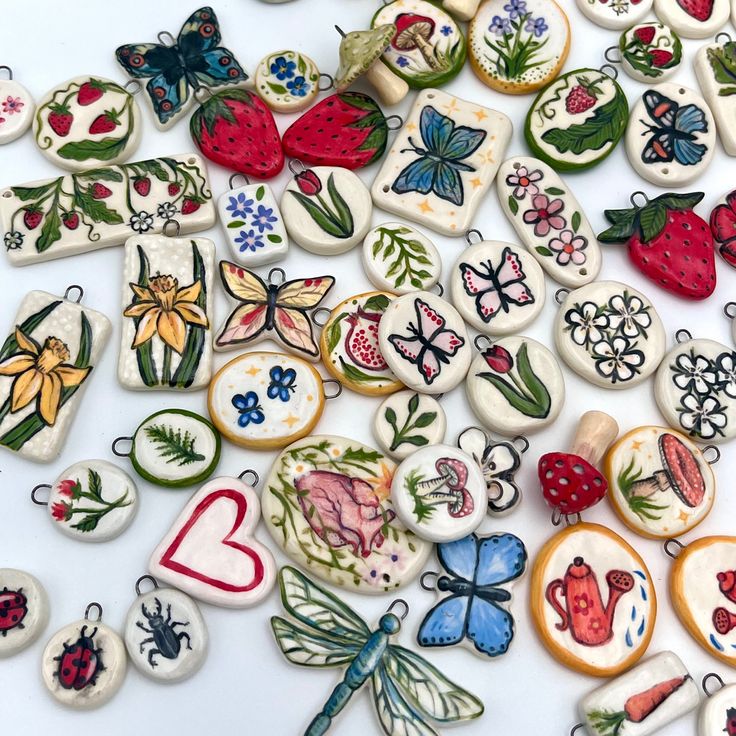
(501, 558)
(397, 716)
(444, 625)
(490, 628)
(309, 649)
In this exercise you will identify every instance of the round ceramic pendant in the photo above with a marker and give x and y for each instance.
(695, 390)
(326, 504)
(616, 14)
(718, 713)
(265, 400)
(84, 664)
(497, 287)
(610, 334)
(16, 109)
(24, 610)
(693, 18)
(327, 210)
(592, 600)
(659, 483)
(650, 52)
(654, 150)
(439, 493)
(288, 81)
(518, 48)
(87, 122)
(400, 259)
(165, 634)
(563, 125)
(173, 448)
(423, 339)
(515, 386)
(407, 420)
(350, 347)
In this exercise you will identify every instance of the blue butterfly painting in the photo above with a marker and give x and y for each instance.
(282, 383)
(438, 167)
(249, 409)
(477, 568)
(175, 71)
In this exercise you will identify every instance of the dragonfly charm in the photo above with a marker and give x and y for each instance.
(407, 690)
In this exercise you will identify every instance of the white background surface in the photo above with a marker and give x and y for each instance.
(245, 685)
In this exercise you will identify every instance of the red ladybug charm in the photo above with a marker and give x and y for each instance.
(80, 663)
(13, 609)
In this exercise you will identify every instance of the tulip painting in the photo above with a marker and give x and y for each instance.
(334, 218)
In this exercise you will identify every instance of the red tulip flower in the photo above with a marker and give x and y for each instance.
(499, 359)
(308, 182)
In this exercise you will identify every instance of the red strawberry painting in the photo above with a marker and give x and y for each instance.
(60, 120)
(660, 57)
(142, 185)
(90, 92)
(173, 190)
(701, 10)
(100, 191)
(70, 220)
(32, 217)
(189, 206)
(723, 228)
(645, 34)
(581, 97)
(105, 123)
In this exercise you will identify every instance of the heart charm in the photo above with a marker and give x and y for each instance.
(210, 552)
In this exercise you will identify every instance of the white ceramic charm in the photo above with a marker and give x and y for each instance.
(287, 81)
(616, 14)
(693, 18)
(548, 220)
(650, 52)
(24, 610)
(610, 334)
(715, 66)
(718, 712)
(16, 108)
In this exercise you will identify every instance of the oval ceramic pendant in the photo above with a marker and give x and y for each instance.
(693, 18)
(718, 713)
(610, 334)
(650, 52)
(87, 121)
(650, 143)
(714, 63)
(659, 483)
(16, 109)
(592, 600)
(515, 386)
(616, 14)
(548, 220)
(497, 287)
(24, 610)
(518, 48)
(265, 400)
(400, 259)
(695, 390)
(577, 120)
(439, 493)
(327, 210)
(326, 503)
(350, 346)
(288, 81)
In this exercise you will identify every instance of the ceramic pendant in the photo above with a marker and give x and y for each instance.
(427, 48)
(695, 389)
(518, 48)
(714, 64)
(288, 81)
(479, 573)
(660, 484)
(400, 259)
(165, 634)
(167, 303)
(17, 107)
(650, 52)
(600, 631)
(650, 135)
(320, 621)
(439, 493)
(173, 448)
(497, 287)
(92, 501)
(644, 700)
(87, 122)
(176, 67)
(350, 347)
(327, 210)
(429, 179)
(515, 386)
(94, 209)
(327, 505)
(84, 663)
(265, 400)
(347, 129)
(277, 310)
(723, 227)
(50, 353)
(577, 120)
(617, 14)
(610, 334)
(24, 610)
(718, 712)
(693, 18)
(423, 339)
(548, 220)
(210, 551)
(407, 420)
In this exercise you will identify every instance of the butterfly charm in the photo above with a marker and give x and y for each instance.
(429, 343)
(282, 383)
(249, 409)
(477, 569)
(176, 71)
(438, 167)
(276, 310)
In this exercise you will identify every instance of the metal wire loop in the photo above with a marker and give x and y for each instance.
(8, 70)
(231, 181)
(607, 55)
(440, 288)
(523, 441)
(87, 610)
(133, 87)
(730, 310)
(166, 39)
(330, 82)
(683, 335)
(276, 271)
(38, 488)
(338, 390)
(138, 582)
(612, 71)
(399, 602)
(668, 548)
(561, 295)
(255, 478)
(635, 194)
(315, 315)
(714, 451)
(482, 342)
(117, 452)
(716, 677)
(429, 574)
(296, 166)
(576, 728)
(166, 230)
(74, 289)
(727, 36)
(473, 232)
(394, 122)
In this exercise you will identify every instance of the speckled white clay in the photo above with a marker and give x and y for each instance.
(24, 610)
(717, 712)
(615, 14)
(673, 13)
(16, 110)
(708, 65)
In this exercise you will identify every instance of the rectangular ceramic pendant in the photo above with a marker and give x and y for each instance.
(52, 348)
(97, 208)
(714, 67)
(166, 340)
(442, 162)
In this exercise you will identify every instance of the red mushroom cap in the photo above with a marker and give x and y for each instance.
(465, 507)
(569, 482)
(682, 470)
(455, 469)
(401, 40)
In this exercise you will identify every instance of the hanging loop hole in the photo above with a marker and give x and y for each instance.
(394, 122)
(521, 443)
(714, 676)
(711, 454)
(719, 38)
(4, 67)
(296, 166)
(338, 389)
(612, 55)
(440, 289)
(144, 578)
(399, 603)
(730, 310)
(482, 342)
(330, 82)
(317, 315)
(171, 229)
(133, 87)
(425, 576)
(236, 177)
(636, 194)
(165, 38)
(280, 273)
(72, 291)
(119, 453)
(683, 335)
(473, 236)
(35, 491)
(673, 547)
(255, 478)
(561, 295)
(610, 71)
(576, 728)
(93, 606)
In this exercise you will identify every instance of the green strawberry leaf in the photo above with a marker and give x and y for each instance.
(51, 231)
(722, 61)
(680, 201)
(97, 210)
(652, 219)
(29, 194)
(103, 150)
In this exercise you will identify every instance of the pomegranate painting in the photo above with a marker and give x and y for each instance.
(361, 341)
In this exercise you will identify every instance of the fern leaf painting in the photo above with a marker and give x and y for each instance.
(174, 445)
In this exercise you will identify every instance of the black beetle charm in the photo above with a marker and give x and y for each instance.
(166, 640)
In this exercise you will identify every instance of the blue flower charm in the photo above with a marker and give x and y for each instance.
(249, 241)
(282, 383)
(263, 218)
(249, 409)
(500, 25)
(537, 26)
(402, 61)
(298, 86)
(283, 68)
(240, 205)
(445, 30)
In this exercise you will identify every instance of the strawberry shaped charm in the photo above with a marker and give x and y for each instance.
(668, 242)
(723, 227)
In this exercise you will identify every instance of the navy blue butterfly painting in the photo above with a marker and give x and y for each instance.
(249, 409)
(176, 70)
(282, 383)
(477, 569)
(437, 170)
